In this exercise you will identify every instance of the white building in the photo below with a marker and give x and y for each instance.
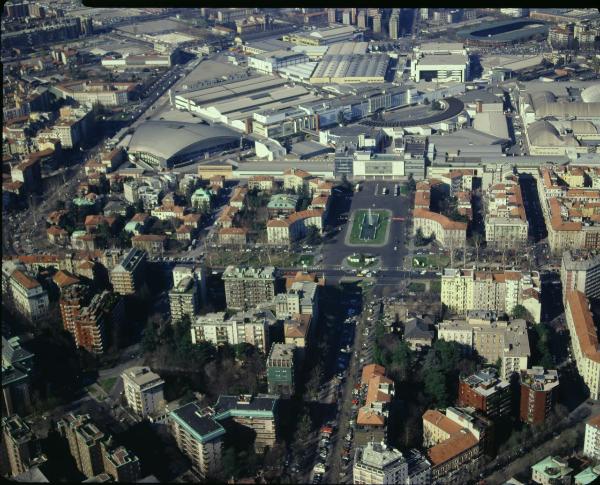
(378, 464)
(28, 296)
(443, 62)
(591, 444)
(270, 62)
(300, 299)
(143, 391)
(184, 298)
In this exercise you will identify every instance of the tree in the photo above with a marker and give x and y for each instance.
(435, 387)
(402, 358)
(313, 236)
(411, 183)
(150, 338)
(519, 311)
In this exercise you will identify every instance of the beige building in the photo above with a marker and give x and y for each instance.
(126, 277)
(27, 295)
(184, 297)
(591, 443)
(251, 327)
(153, 244)
(375, 463)
(247, 287)
(584, 340)
(121, 464)
(261, 182)
(301, 298)
(293, 227)
(506, 223)
(21, 447)
(295, 179)
(465, 289)
(447, 232)
(85, 443)
(233, 236)
(504, 341)
(143, 391)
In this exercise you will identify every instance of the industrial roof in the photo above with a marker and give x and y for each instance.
(166, 139)
(543, 133)
(354, 65)
(492, 123)
(591, 94)
(443, 60)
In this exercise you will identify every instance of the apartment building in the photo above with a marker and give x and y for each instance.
(126, 277)
(73, 126)
(551, 470)
(92, 93)
(121, 464)
(17, 366)
(281, 364)
(250, 327)
(456, 442)
(379, 391)
(376, 463)
(297, 331)
(85, 443)
(538, 387)
(500, 291)
(580, 271)
(247, 287)
(258, 413)
(153, 244)
(143, 391)
(22, 449)
(493, 340)
(506, 224)
(300, 299)
(294, 227)
(569, 197)
(591, 443)
(261, 183)
(584, 340)
(199, 437)
(28, 296)
(184, 297)
(485, 392)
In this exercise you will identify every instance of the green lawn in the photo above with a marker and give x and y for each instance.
(384, 218)
(434, 261)
(417, 287)
(107, 384)
(435, 286)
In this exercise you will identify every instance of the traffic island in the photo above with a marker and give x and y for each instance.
(369, 227)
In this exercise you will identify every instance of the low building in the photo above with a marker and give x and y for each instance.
(449, 233)
(440, 62)
(551, 470)
(591, 443)
(201, 199)
(233, 236)
(143, 391)
(584, 340)
(153, 244)
(485, 392)
(417, 334)
(281, 364)
(379, 389)
(261, 183)
(538, 388)
(282, 204)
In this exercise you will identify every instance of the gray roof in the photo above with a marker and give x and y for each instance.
(415, 328)
(202, 425)
(167, 139)
(261, 402)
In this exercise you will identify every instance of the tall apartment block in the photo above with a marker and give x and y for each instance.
(126, 276)
(85, 443)
(537, 394)
(21, 446)
(580, 271)
(120, 464)
(199, 437)
(184, 297)
(17, 365)
(280, 369)
(591, 443)
(485, 392)
(247, 287)
(143, 391)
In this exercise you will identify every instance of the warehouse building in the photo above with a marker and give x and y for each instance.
(270, 62)
(444, 62)
(351, 68)
(329, 35)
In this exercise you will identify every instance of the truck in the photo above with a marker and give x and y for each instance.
(319, 468)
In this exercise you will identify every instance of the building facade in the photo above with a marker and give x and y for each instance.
(581, 272)
(143, 391)
(22, 448)
(126, 277)
(485, 392)
(591, 443)
(247, 287)
(280, 369)
(537, 394)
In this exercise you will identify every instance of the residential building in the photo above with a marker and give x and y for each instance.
(485, 392)
(251, 327)
(280, 369)
(375, 463)
(199, 437)
(493, 340)
(22, 449)
(588, 476)
(233, 236)
(584, 340)
(591, 443)
(85, 443)
(456, 442)
(580, 271)
(17, 367)
(379, 391)
(501, 291)
(92, 93)
(297, 331)
(258, 413)
(126, 277)
(506, 224)
(153, 244)
(282, 204)
(261, 183)
(29, 298)
(201, 199)
(73, 126)
(121, 465)
(552, 470)
(301, 298)
(143, 391)
(294, 227)
(538, 387)
(295, 179)
(247, 287)
(449, 233)
(417, 333)
(184, 297)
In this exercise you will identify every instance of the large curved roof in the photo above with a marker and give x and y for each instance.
(544, 134)
(591, 94)
(166, 139)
